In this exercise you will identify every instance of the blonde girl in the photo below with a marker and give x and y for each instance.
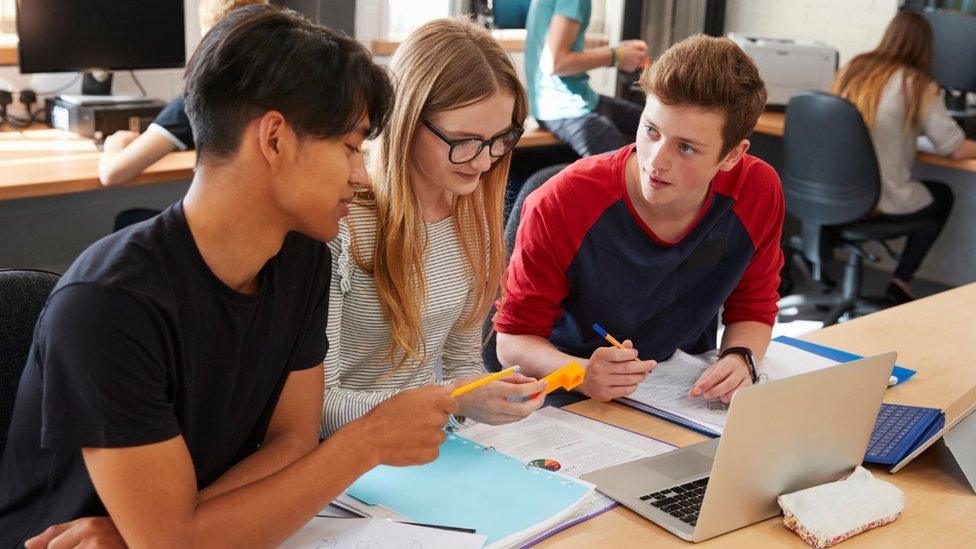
(421, 256)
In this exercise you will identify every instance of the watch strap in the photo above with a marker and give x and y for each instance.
(746, 353)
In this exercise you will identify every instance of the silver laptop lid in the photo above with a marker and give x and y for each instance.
(789, 435)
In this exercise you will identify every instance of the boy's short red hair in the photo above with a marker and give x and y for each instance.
(713, 74)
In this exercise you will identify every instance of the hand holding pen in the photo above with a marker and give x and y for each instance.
(614, 372)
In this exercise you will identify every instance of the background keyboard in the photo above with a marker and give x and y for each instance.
(900, 429)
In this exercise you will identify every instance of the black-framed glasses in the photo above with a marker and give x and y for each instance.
(467, 149)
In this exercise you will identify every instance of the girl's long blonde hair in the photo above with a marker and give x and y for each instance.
(906, 46)
(445, 64)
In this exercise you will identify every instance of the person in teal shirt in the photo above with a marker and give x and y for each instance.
(560, 96)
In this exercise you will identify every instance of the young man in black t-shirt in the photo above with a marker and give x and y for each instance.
(174, 386)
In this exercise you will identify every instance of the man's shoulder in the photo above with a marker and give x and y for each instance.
(137, 257)
(752, 183)
(590, 184)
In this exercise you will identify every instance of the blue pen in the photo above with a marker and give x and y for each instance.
(606, 335)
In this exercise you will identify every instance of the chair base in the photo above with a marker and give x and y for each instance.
(848, 301)
(836, 306)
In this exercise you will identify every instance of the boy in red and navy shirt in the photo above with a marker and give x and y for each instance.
(651, 241)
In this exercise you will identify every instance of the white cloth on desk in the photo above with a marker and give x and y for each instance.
(830, 513)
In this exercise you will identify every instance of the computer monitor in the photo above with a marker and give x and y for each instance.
(104, 35)
(954, 56)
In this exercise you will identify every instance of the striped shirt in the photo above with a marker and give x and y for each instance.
(357, 370)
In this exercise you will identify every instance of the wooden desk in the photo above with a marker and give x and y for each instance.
(8, 50)
(42, 161)
(771, 123)
(937, 337)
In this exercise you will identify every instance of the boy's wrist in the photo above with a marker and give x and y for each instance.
(614, 57)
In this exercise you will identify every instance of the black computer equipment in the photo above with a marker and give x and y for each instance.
(99, 36)
(954, 57)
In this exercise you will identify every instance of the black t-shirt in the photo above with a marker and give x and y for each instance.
(172, 124)
(141, 342)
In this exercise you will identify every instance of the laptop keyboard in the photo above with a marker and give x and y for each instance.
(682, 502)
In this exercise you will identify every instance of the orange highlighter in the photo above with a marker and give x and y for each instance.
(568, 377)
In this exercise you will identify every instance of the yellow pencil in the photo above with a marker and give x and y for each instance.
(483, 381)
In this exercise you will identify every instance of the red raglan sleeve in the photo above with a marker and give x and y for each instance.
(536, 284)
(761, 208)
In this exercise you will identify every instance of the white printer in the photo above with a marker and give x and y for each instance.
(789, 66)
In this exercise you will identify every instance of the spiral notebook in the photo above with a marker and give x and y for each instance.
(472, 486)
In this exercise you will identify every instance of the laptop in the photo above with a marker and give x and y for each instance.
(780, 437)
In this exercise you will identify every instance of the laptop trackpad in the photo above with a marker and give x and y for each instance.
(679, 465)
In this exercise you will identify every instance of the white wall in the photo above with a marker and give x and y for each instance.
(851, 26)
(162, 84)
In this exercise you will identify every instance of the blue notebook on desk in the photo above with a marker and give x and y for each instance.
(901, 373)
(473, 486)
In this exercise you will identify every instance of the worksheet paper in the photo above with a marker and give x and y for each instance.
(369, 533)
(665, 391)
(570, 444)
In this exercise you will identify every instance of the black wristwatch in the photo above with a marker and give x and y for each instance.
(747, 354)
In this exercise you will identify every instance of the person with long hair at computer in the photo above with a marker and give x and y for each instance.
(421, 256)
(893, 88)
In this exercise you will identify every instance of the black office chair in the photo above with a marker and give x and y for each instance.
(832, 184)
(22, 296)
(511, 230)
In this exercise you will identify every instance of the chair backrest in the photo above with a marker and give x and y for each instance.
(488, 353)
(830, 171)
(22, 296)
(532, 183)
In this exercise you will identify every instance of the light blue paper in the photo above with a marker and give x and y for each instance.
(470, 487)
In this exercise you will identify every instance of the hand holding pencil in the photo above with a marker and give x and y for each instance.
(499, 398)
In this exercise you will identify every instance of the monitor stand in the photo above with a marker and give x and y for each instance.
(96, 89)
(98, 82)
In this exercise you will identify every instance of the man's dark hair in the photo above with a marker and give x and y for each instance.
(262, 58)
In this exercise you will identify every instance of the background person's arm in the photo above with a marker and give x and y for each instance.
(126, 154)
(964, 151)
(558, 58)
